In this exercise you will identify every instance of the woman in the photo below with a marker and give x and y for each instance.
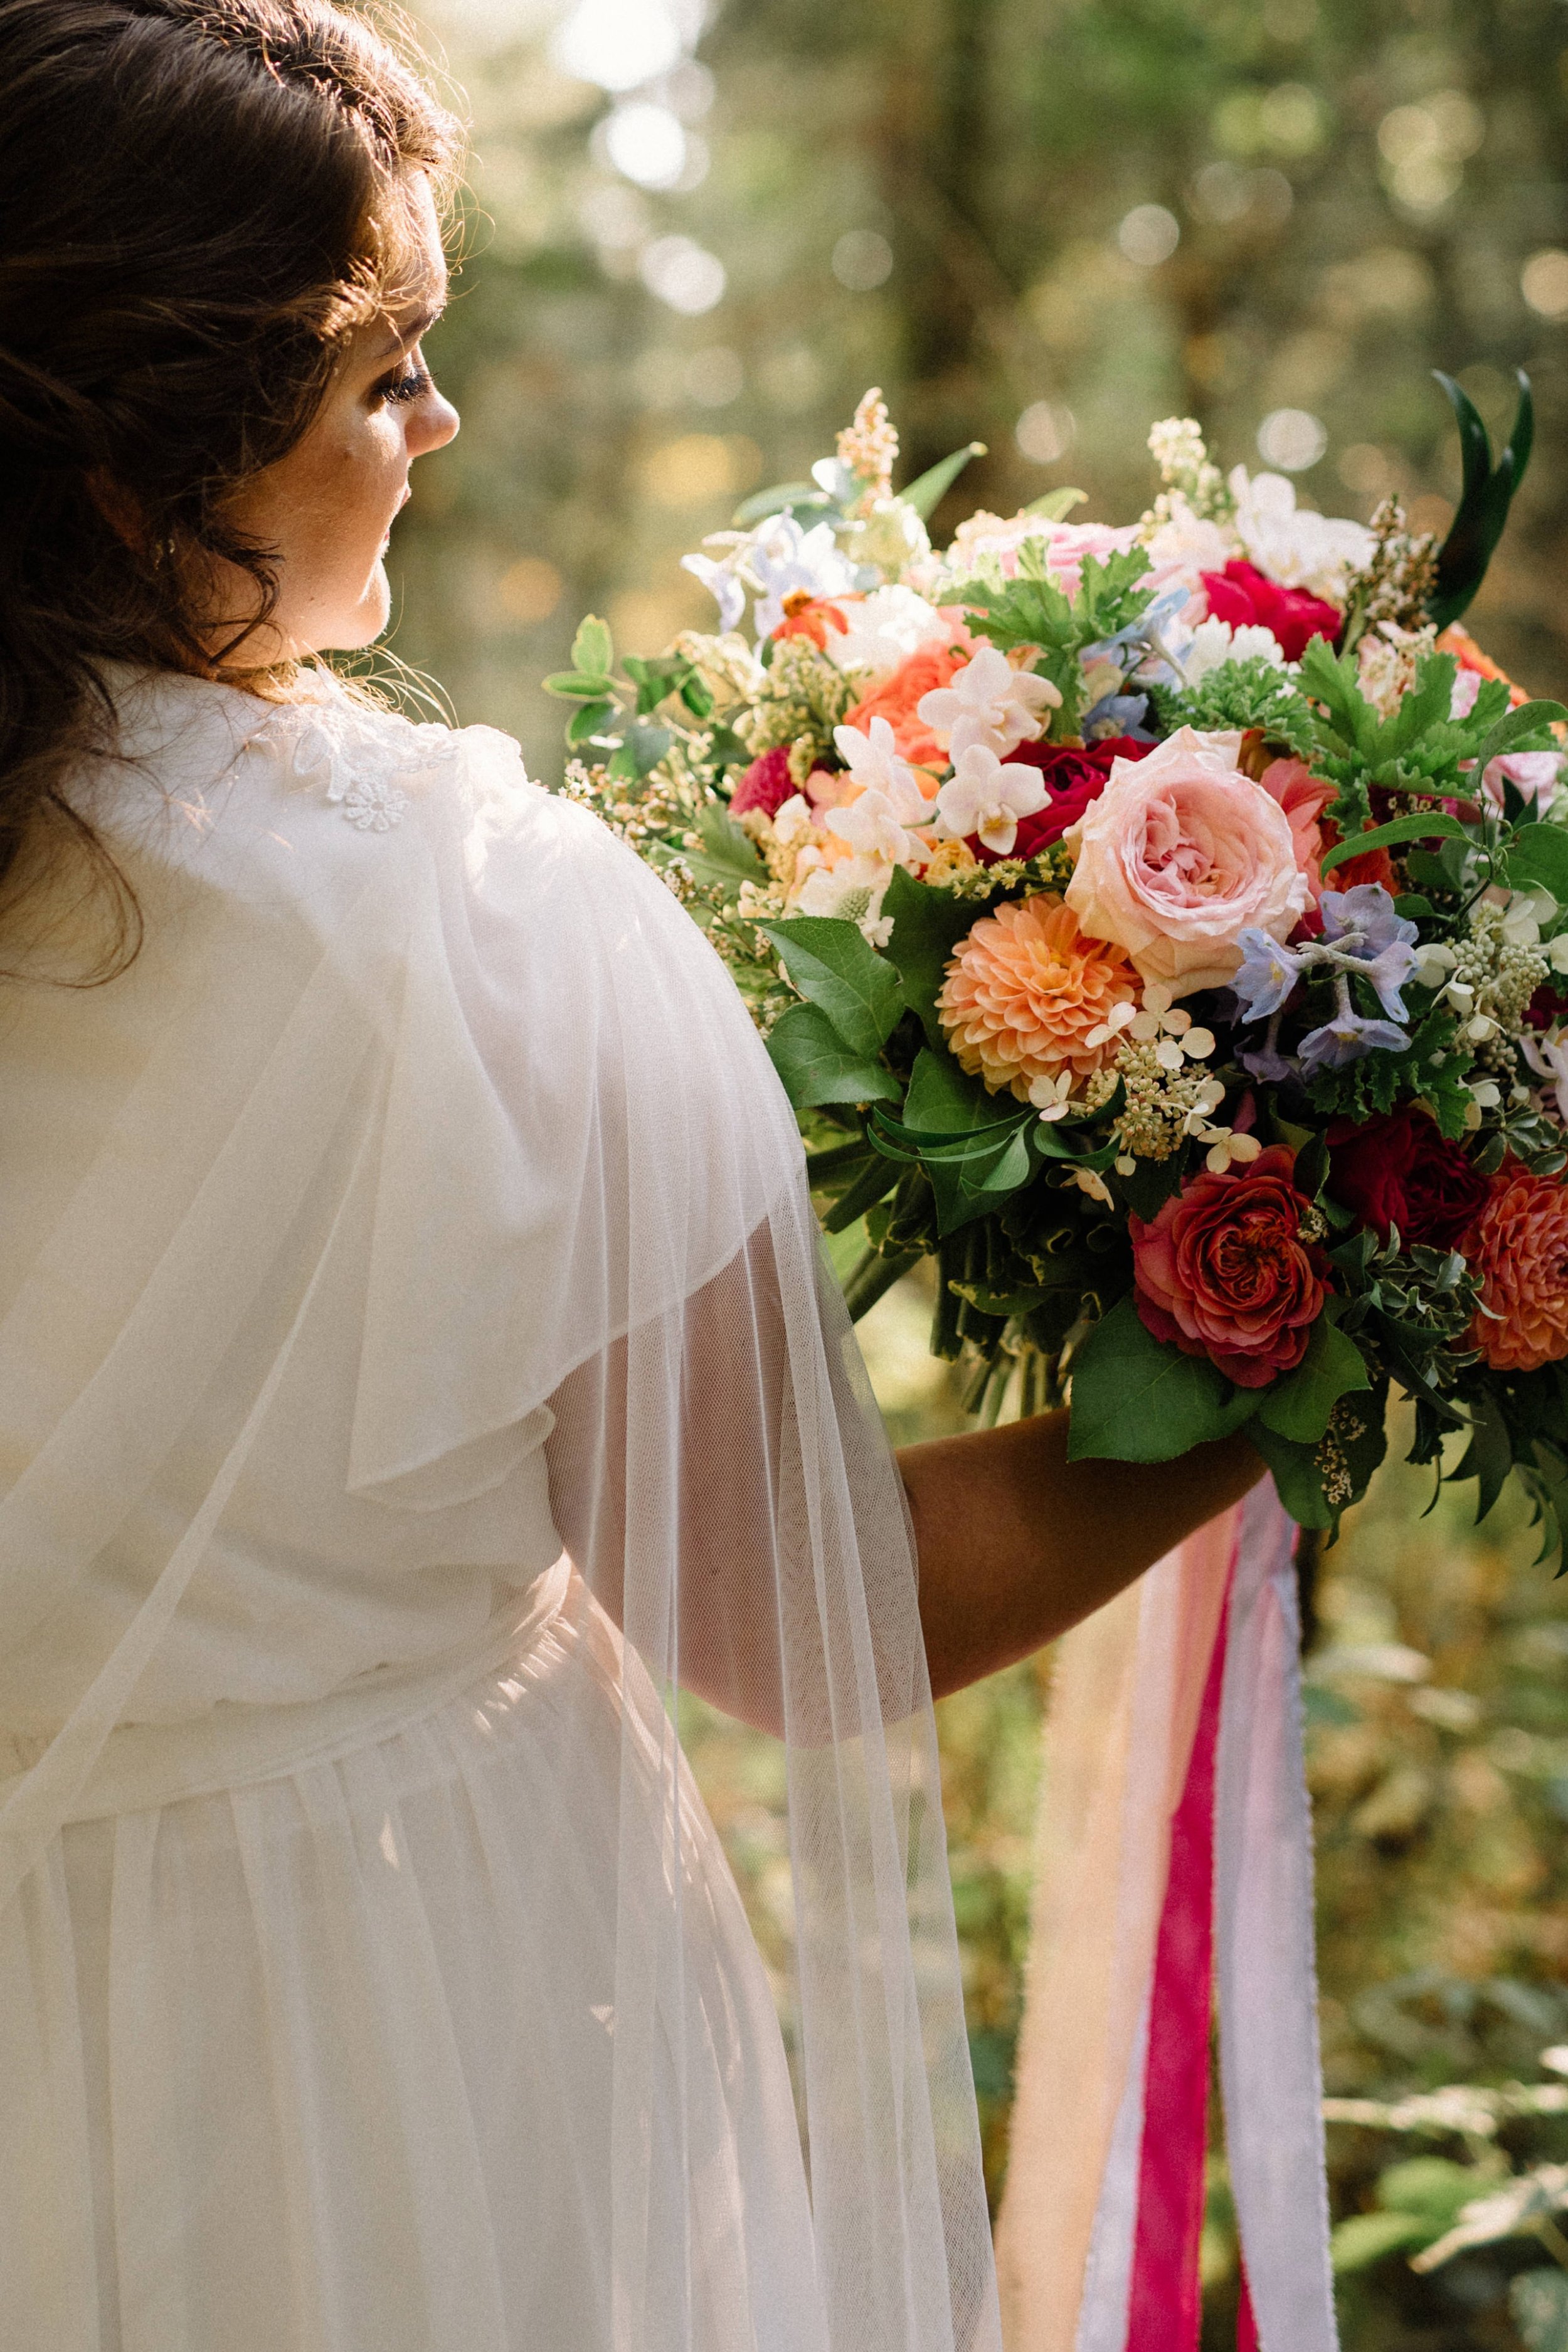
(414, 1372)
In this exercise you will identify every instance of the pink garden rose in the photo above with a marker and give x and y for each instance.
(1223, 1272)
(1180, 853)
(1303, 797)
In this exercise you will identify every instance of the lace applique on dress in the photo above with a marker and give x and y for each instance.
(355, 755)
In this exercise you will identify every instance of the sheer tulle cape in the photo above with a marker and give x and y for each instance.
(442, 1209)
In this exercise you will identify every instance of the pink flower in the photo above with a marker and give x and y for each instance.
(766, 785)
(1067, 543)
(1303, 797)
(1244, 597)
(1223, 1272)
(1180, 853)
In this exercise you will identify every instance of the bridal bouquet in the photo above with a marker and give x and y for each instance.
(1163, 927)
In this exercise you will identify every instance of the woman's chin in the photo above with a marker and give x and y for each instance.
(361, 623)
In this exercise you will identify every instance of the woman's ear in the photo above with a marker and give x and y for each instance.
(120, 507)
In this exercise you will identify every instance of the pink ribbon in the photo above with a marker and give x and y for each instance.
(1164, 2310)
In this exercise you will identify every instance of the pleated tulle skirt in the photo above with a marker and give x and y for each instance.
(328, 2063)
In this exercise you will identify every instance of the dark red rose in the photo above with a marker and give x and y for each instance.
(1223, 1272)
(1073, 775)
(1242, 596)
(1398, 1171)
(766, 785)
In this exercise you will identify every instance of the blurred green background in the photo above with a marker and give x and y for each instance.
(695, 235)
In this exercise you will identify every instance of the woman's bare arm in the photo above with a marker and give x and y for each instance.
(1015, 1543)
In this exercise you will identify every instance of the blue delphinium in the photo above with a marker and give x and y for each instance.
(1347, 1036)
(1267, 974)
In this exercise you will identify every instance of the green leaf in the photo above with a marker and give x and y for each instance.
(968, 1184)
(1530, 718)
(1364, 2238)
(1488, 1457)
(1297, 1478)
(1136, 1400)
(943, 1100)
(925, 492)
(592, 649)
(816, 1066)
(727, 855)
(1428, 826)
(875, 1180)
(1298, 1406)
(831, 963)
(579, 685)
(927, 927)
(763, 503)
(1538, 852)
(588, 719)
(1057, 505)
(1483, 508)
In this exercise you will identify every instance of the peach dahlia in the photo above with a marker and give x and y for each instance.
(1517, 1249)
(1026, 992)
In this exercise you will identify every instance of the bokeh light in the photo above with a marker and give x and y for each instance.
(862, 258)
(684, 274)
(1292, 439)
(1149, 235)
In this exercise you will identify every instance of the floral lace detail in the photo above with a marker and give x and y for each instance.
(373, 807)
(355, 755)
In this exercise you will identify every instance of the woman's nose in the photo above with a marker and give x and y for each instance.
(434, 423)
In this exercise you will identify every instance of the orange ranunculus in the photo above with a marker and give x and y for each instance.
(1456, 640)
(1518, 1248)
(896, 699)
(1025, 992)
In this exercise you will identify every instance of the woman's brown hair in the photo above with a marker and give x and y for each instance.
(198, 200)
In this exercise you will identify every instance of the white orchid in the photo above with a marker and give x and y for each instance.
(782, 559)
(885, 628)
(874, 828)
(1548, 1057)
(873, 761)
(723, 584)
(986, 797)
(1295, 545)
(990, 703)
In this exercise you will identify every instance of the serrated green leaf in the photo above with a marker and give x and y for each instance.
(926, 491)
(1428, 826)
(1136, 1400)
(1300, 1404)
(592, 649)
(816, 1066)
(833, 965)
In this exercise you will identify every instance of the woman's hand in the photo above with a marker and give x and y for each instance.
(1015, 1543)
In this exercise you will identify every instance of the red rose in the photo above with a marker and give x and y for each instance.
(766, 785)
(1398, 1171)
(1222, 1271)
(1073, 775)
(1244, 597)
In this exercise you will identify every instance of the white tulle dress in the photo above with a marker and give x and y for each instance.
(414, 1370)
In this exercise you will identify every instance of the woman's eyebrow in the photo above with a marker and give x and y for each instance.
(401, 337)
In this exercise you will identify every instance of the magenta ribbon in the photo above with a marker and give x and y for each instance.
(1165, 2302)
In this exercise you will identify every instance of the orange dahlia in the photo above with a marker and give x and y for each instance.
(1517, 1249)
(1026, 992)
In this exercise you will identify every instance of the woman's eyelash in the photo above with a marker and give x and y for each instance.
(407, 385)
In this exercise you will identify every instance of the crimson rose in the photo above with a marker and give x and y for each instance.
(1398, 1171)
(1074, 774)
(766, 785)
(1246, 597)
(1223, 1272)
